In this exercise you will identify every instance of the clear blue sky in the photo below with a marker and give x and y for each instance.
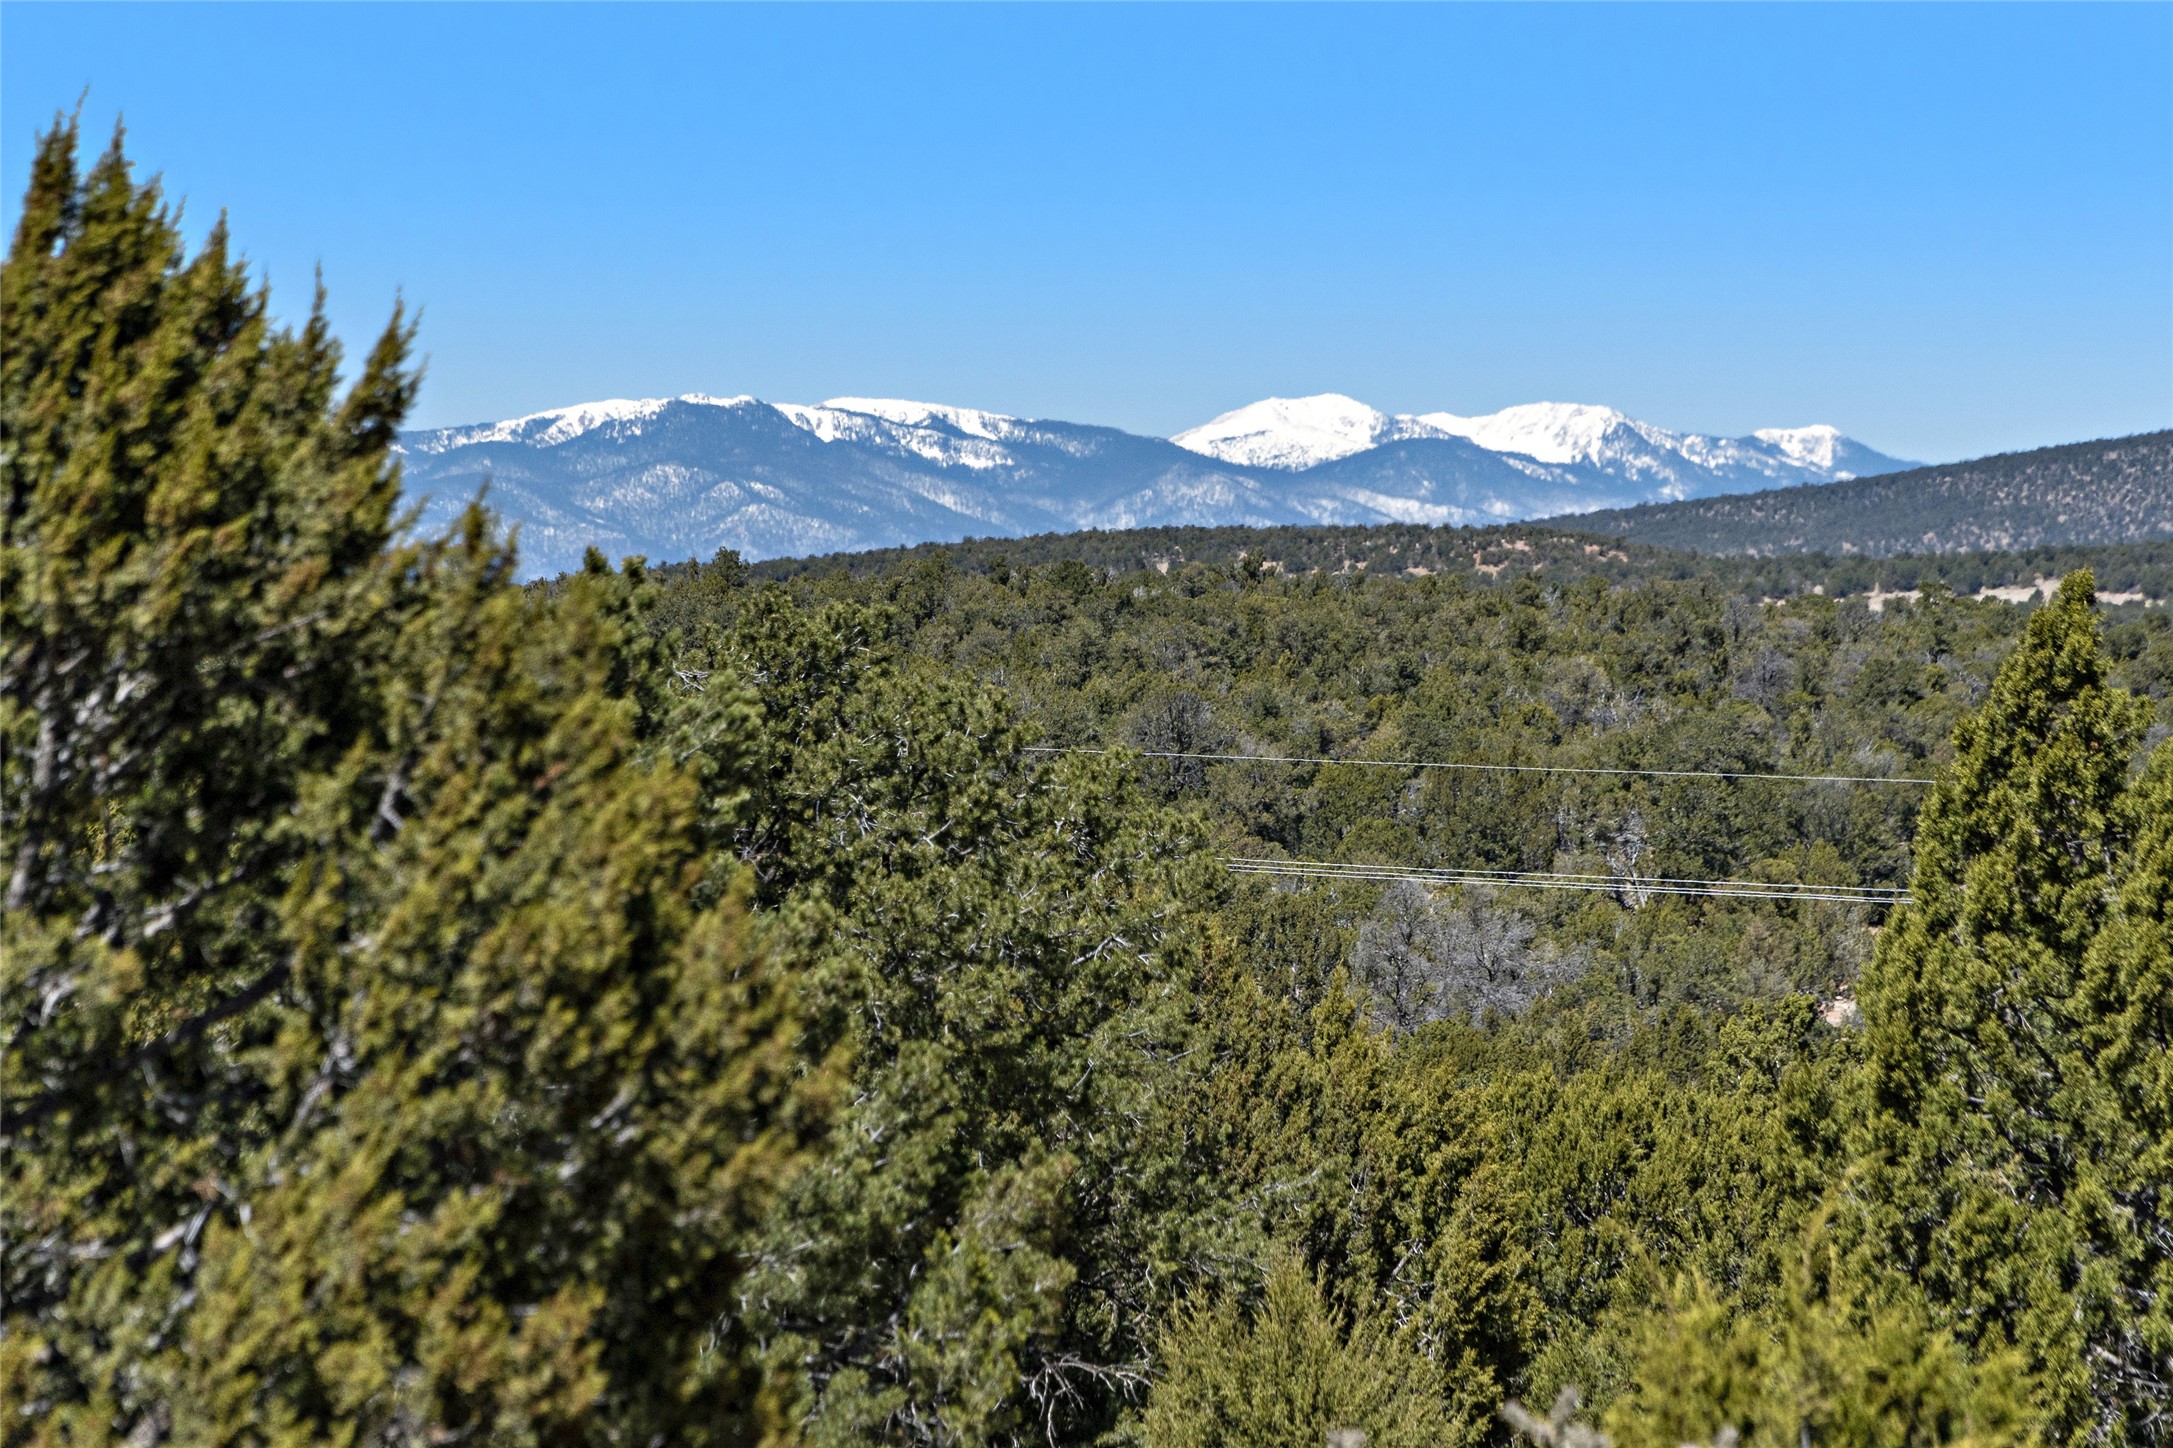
(1946, 229)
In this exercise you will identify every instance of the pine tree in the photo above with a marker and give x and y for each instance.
(378, 1065)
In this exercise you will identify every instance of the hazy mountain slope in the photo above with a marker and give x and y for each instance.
(1448, 480)
(677, 478)
(2114, 491)
(692, 475)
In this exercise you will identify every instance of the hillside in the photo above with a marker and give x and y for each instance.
(2117, 490)
(2126, 572)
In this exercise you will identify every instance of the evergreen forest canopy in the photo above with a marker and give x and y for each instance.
(2128, 572)
(2118, 490)
(690, 1007)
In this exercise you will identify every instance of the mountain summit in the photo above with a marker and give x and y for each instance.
(1291, 432)
(1302, 432)
(680, 477)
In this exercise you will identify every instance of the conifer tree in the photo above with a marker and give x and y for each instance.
(2123, 1202)
(1819, 1364)
(1014, 1194)
(375, 1069)
(1289, 1371)
(2009, 1162)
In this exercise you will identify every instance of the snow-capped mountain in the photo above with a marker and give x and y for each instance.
(1303, 432)
(676, 478)
(1291, 432)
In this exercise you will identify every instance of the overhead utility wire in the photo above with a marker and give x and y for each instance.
(1537, 880)
(1490, 768)
(1461, 870)
(1587, 886)
(1261, 865)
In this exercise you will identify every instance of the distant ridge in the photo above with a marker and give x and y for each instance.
(674, 478)
(2116, 490)
(1294, 433)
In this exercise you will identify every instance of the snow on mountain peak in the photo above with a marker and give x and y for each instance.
(975, 439)
(1814, 447)
(1289, 432)
(968, 420)
(1553, 432)
(1297, 433)
(563, 424)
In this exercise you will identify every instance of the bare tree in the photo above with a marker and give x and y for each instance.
(1495, 969)
(1765, 679)
(1401, 958)
(1626, 858)
(1423, 959)
(1176, 721)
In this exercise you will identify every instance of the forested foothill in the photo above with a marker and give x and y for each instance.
(2114, 490)
(683, 1006)
(2126, 572)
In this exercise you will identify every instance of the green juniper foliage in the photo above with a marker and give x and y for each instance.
(372, 1071)
(1822, 1364)
(1010, 1200)
(695, 1005)
(2018, 1023)
(1287, 1372)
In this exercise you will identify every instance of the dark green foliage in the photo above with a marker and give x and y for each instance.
(373, 1070)
(2116, 491)
(682, 1008)
(1497, 556)
(1011, 1200)
(2011, 1169)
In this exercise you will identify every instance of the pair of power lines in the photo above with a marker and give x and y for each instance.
(1488, 768)
(1557, 880)
(1638, 886)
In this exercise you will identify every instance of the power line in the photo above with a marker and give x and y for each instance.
(1606, 881)
(1552, 880)
(1609, 879)
(1718, 889)
(1488, 768)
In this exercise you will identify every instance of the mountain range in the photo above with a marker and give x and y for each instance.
(677, 478)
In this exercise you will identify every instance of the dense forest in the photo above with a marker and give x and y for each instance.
(2128, 572)
(2119, 490)
(692, 1006)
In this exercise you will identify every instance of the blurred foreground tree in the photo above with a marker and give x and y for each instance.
(1822, 1363)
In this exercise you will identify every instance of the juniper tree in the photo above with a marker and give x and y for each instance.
(371, 1071)
(1822, 1364)
(2016, 1019)
(1288, 1370)
(1014, 1194)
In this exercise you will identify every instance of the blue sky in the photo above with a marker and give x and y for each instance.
(1947, 229)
